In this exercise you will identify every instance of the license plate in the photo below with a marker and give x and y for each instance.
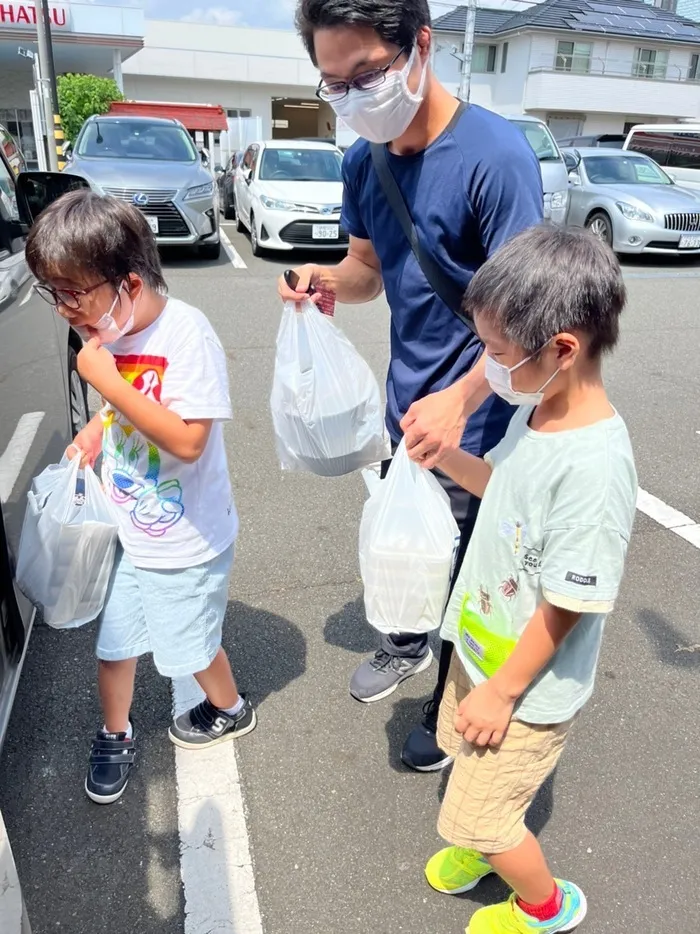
(689, 243)
(152, 223)
(325, 232)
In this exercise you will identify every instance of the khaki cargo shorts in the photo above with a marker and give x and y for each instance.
(490, 790)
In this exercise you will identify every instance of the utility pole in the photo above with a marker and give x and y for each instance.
(466, 56)
(48, 91)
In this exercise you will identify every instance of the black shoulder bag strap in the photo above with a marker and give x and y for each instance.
(450, 293)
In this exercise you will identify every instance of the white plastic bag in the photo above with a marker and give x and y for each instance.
(326, 408)
(67, 547)
(408, 542)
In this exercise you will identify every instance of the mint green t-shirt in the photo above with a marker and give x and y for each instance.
(554, 523)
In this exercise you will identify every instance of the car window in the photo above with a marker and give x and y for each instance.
(540, 138)
(131, 139)
(301, 165)
(625, 170)
(8, 197)
(654, 145)
(248, 158)
(256, 154)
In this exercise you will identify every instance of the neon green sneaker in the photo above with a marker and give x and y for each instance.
(508, 918)
(455, 870)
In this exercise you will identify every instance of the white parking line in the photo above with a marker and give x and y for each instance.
(216, 865)
(230, 250)
(668, 517)
(15, 454)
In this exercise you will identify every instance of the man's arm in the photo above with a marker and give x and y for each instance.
(355, 280)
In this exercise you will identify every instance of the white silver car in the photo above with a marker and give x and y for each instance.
(289, 193)
(628, 201)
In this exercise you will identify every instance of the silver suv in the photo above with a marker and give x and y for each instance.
(152, 163)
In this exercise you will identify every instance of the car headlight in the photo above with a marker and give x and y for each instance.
(199, 191)
(632, 213)
(272, 204)
(559, 199)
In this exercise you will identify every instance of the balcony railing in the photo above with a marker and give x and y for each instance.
(583, 65)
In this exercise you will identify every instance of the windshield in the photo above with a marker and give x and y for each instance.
(541, 140)
(301, 165)
(624, 170)
(126, 139)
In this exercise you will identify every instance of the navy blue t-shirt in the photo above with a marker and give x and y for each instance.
(469, 192)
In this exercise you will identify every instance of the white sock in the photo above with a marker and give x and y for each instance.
(237, 707)
(129, 732)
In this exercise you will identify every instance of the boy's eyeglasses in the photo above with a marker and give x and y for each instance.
(368, 81)
(69, 298)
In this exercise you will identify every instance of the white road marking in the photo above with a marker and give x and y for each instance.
(668, 517)
(15, 454)
(216, 865)
(230, 250)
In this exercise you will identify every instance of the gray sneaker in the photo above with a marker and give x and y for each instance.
(378, 677)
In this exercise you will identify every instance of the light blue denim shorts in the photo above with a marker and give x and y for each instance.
(176, 614)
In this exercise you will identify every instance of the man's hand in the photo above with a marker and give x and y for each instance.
(434, 426)
(308, 275)
(483, 716)
(97, 366)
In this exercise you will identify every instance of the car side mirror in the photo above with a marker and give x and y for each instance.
(204, 154)
(67, 149)
(248, 176)
(574, 178)
(37, 190)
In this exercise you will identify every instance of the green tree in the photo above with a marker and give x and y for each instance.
(81, 96)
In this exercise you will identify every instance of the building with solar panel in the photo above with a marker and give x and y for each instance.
(585, 67)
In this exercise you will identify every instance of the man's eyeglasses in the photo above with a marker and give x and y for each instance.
(69, 298)
(335, 91)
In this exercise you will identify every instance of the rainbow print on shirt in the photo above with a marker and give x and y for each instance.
(132, 463)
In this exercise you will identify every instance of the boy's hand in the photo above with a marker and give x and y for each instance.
(434, 425)
(87, 445)
(483, 716)
(98, 367)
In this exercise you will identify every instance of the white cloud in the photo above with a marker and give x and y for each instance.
(213, 15)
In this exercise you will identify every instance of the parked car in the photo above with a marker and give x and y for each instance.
(288, 193)
(628, 201)
(44, 404)
(554, 175)
(675, 146)
(225, 180)
(152, 163)
(605, 140)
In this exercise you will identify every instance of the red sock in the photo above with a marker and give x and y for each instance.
(547, 910)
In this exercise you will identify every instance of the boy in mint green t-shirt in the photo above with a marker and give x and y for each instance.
(543, 566)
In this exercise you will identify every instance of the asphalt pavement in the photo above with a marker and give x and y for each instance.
(339, 831)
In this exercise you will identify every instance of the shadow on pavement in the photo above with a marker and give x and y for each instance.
(671, 645)
(349, 629)
(266, 651)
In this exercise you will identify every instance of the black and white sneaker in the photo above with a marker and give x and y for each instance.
(111, 760)
(205, 725)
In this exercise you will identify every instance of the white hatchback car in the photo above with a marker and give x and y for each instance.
(288, 194)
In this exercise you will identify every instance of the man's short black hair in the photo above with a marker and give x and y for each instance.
(548, 280)
(84, 234)
(395, 21)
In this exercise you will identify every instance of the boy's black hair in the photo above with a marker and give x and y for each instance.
(83, 234)
(395, 21)
(548, 280)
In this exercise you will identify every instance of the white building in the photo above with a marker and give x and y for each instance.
(584, 66)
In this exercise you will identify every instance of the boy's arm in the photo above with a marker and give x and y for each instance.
(470, 472)
(185, 440)
(483, 716)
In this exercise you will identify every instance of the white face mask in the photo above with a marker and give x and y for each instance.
(384, 114)
(499, 379)
(107, 326)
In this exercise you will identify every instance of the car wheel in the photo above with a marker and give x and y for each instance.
(254, 242)
(79, 410)
(600, 226)
(230, 210)
(210, 250)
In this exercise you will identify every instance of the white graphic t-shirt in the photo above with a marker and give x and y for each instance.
(171, 514)
(554, 524)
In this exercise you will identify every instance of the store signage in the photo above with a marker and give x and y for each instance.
(24, 14)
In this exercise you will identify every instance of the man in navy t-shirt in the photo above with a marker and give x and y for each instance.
(471, 182)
